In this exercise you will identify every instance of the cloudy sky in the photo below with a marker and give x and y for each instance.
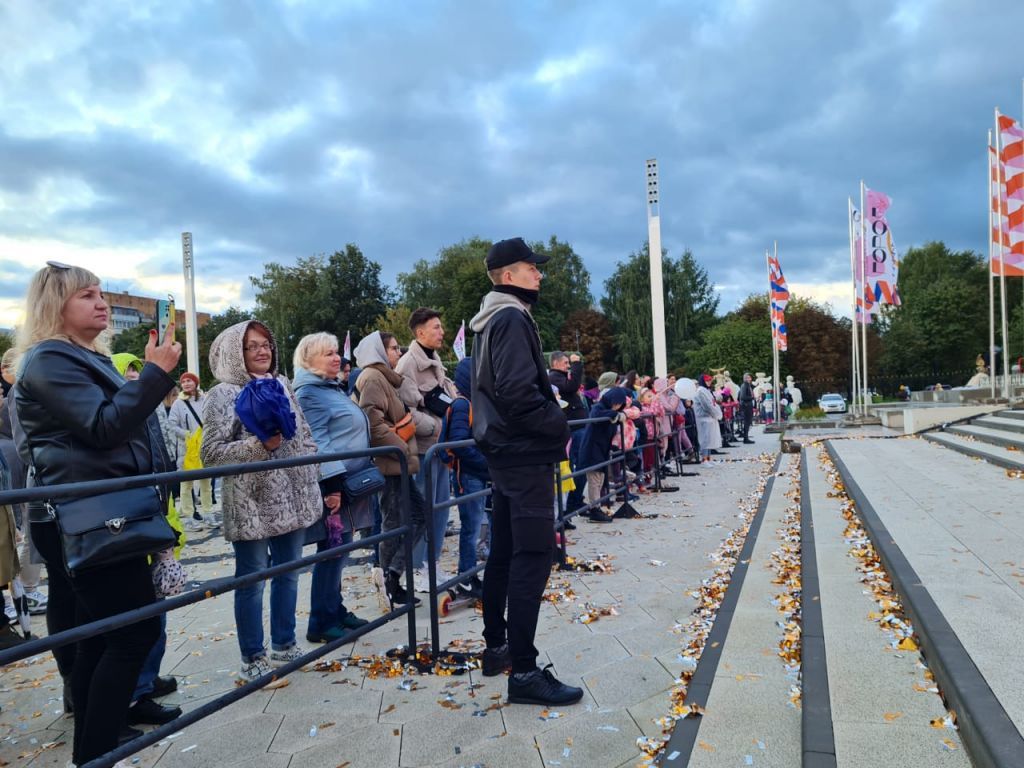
(276, 130)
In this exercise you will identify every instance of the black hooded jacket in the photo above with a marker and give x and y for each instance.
(516, 418)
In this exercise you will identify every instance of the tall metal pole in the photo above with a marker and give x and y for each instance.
(191, 329)
(654, 253)
(995, 227)
(1002, 263)
(854, 357)
(864, 325)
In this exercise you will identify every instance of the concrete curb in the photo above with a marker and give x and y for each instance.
(684, 735)
(991, 738)
(816, 734)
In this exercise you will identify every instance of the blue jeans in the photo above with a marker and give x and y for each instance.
(252, 556)
(326, 609)
(575, 498)
(441, 491)
(151, 667)
(471, 517)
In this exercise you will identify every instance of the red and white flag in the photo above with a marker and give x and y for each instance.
(866, 307)
(1007, 173)
(459, 345)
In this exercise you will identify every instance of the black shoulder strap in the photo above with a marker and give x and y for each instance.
(194, 414)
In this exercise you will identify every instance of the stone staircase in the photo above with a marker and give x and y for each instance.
(997, 438)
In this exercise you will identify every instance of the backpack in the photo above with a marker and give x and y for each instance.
(448, 455)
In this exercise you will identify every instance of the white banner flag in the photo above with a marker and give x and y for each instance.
(459, 345)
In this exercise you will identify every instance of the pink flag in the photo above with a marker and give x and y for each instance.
(459, 345)
(1007, 174)
(347, 354)
(880, 263)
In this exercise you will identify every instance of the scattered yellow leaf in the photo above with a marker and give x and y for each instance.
(705, 746)
(892, 716)
(907, 644)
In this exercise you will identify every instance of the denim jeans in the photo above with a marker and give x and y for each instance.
(575, 498)
(471, 517)
(326, 609)
(440, 492)
(151, 667)
(251, 556)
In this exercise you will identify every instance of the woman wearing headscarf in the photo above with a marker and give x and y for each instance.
(251, 416)
(185, 419)
(709, 436)
(337, 424)
(390, 425)
(82, 421)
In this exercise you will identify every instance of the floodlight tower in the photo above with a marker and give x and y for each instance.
(191, 329)
(654, 252)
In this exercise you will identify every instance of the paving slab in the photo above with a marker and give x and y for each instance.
(751, 689)
(869, 683)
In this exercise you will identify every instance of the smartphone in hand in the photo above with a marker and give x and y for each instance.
(164, 317)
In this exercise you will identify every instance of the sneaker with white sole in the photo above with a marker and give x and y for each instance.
(194, 526)
(254, 669)
(420, 580)
(10, 612)
(36, 602)
(287, 656)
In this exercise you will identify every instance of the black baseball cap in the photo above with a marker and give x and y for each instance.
(505, 252)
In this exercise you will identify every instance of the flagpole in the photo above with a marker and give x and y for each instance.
(998, 227)
(864, 318)
(853, 308)
(771, 316)
(777, 396)
(1002, 262)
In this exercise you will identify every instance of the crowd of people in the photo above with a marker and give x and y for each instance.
(72, 412)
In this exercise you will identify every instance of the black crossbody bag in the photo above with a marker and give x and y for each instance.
(108, 528)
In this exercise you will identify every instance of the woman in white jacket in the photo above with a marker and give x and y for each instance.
(185, 418)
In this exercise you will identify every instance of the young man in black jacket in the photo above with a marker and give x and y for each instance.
(522, 433)
(746, 398)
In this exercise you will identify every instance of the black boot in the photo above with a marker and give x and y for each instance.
(396, 592)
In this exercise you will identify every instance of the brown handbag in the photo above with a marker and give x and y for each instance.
(405, 428)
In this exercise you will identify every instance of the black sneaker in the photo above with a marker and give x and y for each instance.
(9, 637)
(474, 589)
(162, 686)
(599, 516)
(496, 660)
(568, 525)
(541, 687)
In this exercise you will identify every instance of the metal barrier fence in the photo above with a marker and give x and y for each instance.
(560, 516)
(220, 586)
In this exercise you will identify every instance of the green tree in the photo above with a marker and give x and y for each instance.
(690, 307)
(396, 322)
(588, 332)
(942, 324)
(217, 324)
(737, 344)
(456, 281)
(6, 342)
(333, 293)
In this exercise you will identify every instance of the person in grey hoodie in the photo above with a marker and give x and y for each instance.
(265, 513)
(522, 433)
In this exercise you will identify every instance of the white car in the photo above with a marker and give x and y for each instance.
(832, 403)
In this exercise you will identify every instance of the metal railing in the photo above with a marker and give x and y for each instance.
(220, 586)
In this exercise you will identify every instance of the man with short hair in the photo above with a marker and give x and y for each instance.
(423, 367)
(746, 398)
(522, 432)
(566, 374)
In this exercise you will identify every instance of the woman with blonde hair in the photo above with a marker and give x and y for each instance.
(82, 421)
(337, 424)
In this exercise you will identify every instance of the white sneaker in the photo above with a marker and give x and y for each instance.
(420, 580)
(287, 656)
(194, 526)
(255, 669)
(36, 602)
(10, 612)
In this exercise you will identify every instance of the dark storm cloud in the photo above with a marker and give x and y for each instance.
(416, 130)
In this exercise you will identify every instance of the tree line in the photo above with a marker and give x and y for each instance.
(936, 335)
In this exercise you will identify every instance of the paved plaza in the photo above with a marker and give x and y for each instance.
(638, 626)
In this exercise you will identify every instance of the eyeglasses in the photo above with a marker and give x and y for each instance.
(266, 345)
(395, 348)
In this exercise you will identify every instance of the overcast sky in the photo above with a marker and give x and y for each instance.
(276, 130)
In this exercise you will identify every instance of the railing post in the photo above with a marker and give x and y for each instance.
(625, 509)
(406, 517)
(560, 527)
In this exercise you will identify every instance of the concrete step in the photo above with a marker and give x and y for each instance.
(994, 454)
(1000, 422)
(950, 533)
(1011, 413)
(749, 718)
(989, 435)
(877, 715)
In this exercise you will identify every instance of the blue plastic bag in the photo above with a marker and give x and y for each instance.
(265, 410)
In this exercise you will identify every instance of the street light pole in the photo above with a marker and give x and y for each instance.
(654, 253)
(191, 329)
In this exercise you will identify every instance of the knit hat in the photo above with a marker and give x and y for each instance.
(189, 375)
(607, 379)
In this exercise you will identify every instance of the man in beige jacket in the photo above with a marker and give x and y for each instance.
(422, 366)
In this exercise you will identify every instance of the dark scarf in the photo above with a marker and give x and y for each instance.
(523, 294)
